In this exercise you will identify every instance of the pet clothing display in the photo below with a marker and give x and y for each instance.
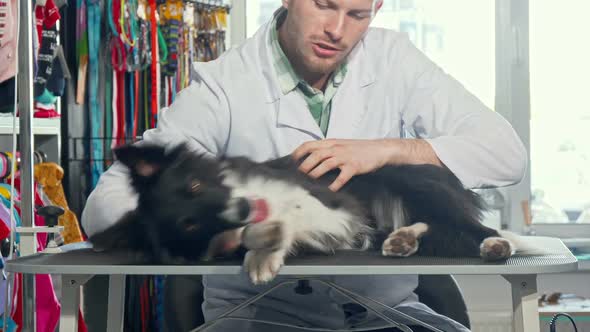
(143, 53)
(47, 15)
(47, 191)
(8, 41)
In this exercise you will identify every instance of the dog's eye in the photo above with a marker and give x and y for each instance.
(195, 186)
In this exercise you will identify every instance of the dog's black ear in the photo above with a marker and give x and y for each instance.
(142, 160)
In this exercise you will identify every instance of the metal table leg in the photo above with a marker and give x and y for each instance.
(525, 308)
(116, 304)
(70, 301)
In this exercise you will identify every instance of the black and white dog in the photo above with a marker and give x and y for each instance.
(193, 207)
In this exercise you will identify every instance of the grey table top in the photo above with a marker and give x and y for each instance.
(86, 261)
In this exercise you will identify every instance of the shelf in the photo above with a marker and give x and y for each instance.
(576, 242)
(40, 126)
(584, 265)
(581, 247)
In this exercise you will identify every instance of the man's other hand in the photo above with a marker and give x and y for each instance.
(354, 157)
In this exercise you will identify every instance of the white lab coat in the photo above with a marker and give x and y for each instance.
(234, 106)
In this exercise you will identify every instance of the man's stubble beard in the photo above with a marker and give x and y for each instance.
(315, 66)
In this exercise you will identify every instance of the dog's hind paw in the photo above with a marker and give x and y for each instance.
(263, 265)
(496, 248)
(401, 243)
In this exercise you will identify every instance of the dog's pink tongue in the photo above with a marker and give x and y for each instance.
(259, 210)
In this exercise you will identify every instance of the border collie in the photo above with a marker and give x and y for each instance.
(192, 207)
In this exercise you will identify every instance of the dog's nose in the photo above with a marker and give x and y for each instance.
(237, 211)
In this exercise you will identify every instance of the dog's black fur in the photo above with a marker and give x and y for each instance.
(181, 196)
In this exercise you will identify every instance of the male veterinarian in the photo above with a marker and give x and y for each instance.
(316, 79)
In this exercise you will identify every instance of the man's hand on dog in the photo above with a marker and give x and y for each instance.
(354, 157)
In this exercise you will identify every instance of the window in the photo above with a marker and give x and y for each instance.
(559, 51)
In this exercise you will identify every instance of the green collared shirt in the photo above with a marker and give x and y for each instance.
(319, 103)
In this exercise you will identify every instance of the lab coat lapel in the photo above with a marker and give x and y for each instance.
(349, 105)
(351, 102)
(293, 112)
(291, 109)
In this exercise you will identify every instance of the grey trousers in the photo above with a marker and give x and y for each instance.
(189, 304)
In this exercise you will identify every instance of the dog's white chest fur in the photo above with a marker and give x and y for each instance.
(295, 217)
(294, 206)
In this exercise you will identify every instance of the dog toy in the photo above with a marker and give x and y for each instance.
(49, 176)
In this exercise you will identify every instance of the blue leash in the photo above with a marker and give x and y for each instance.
(131, 110)
(97, 149)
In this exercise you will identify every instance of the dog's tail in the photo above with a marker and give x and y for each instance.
(523, 246)
(433, 194)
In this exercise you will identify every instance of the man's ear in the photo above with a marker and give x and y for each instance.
(142, 160)
(286, 4)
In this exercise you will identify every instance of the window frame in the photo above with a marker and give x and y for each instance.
(513, 96)
(513, 102)
(237, 22)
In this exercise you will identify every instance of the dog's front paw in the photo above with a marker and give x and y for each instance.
(263, 265)
(400, 243)
(496, 248)
(268, 235)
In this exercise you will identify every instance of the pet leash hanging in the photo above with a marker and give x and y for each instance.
(141, 64)
(124, 12)
(108, 115)
(146, 107)
(154, 65)
(128, 45)
(134, 63)
(119, 62)
(116, 59)
(97, 152)
(143, 54)
(81, 50)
